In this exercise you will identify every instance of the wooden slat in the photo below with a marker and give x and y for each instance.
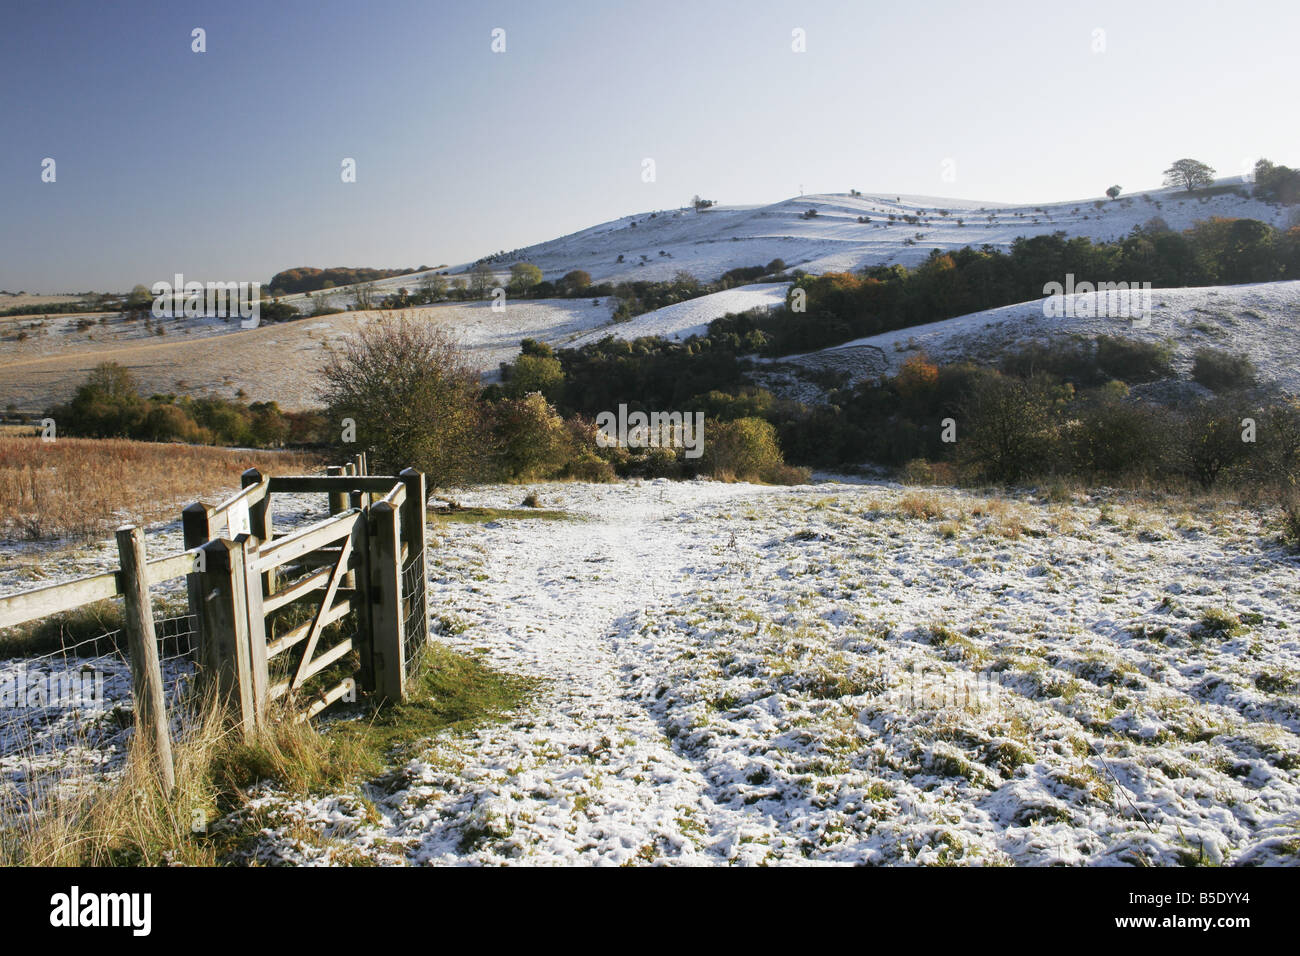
(312, 582)
(41, 602)
(330, 483)
(299, 633)
(250, 496)
(318, 623)
(318, 665)
(308, 539)
(172, 566)
(338, 692)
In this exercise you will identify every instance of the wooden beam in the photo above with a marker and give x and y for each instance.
(300, 588)
(152, 729)
(338, 499)
(325, 660)
(307, 484)
(317, 624)
(225, 665)
(305, 540)
(42, 602)
(299, 633)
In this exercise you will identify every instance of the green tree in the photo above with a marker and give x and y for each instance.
(535, 373)
(523, 276)
(531, 440)
(1190, 174)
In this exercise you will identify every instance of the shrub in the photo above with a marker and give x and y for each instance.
(1211, 442)
(588, 466)
(1115, 438)
(917, 472)
(1009, 430)
(1291, 518)
(412, 397)
(531, 440)
(1133, 360)
(745, 449)
(535, 373)
(1221, 371)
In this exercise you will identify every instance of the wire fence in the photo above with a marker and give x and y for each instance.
(415, 627)
(67, 716)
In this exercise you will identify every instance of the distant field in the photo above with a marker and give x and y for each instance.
(274, 362)
(19, 301)
(81, 487)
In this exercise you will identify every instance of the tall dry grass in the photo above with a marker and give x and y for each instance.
(131, 821)
(85, 487)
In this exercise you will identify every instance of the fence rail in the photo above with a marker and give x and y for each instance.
(366, 564)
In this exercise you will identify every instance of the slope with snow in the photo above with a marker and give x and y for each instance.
(1260, 320)
(655, 245)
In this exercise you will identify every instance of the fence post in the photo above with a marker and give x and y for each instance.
(338, 499)
(259, 672)
(386, 604)
(362, 592)
(259, 522)
(226, 666)
(195, 525)
(146, 674)
(417, 541)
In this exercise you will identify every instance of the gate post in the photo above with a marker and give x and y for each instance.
(415, 531)
(225, 664)
(196, 526)
(388, 649)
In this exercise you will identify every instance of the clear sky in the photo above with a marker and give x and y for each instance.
(225, 165)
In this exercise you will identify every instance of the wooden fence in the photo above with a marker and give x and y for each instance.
(242, 582)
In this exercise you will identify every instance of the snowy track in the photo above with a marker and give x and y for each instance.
(743, 675)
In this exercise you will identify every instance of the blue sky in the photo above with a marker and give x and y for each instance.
(225, 165)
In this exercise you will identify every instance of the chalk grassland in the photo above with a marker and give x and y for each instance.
(274, 362)
(82, 487)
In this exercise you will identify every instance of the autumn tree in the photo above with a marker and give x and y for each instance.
(411, 397)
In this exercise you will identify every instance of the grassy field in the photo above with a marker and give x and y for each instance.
(81, 487)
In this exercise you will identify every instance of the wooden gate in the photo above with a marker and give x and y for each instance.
(347, 569)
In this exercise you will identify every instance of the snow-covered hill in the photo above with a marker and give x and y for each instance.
(1261, 320)
(655, 245)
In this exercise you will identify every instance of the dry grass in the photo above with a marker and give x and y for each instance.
(921, 505)
(84, 487)
(131, 821)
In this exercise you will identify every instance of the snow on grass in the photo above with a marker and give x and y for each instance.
(692, 317)
(1258, 320)
(864, 674)
(654, 246)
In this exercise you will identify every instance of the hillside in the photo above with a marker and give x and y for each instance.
(655, 245)
(1261, 320)
(42, 359)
